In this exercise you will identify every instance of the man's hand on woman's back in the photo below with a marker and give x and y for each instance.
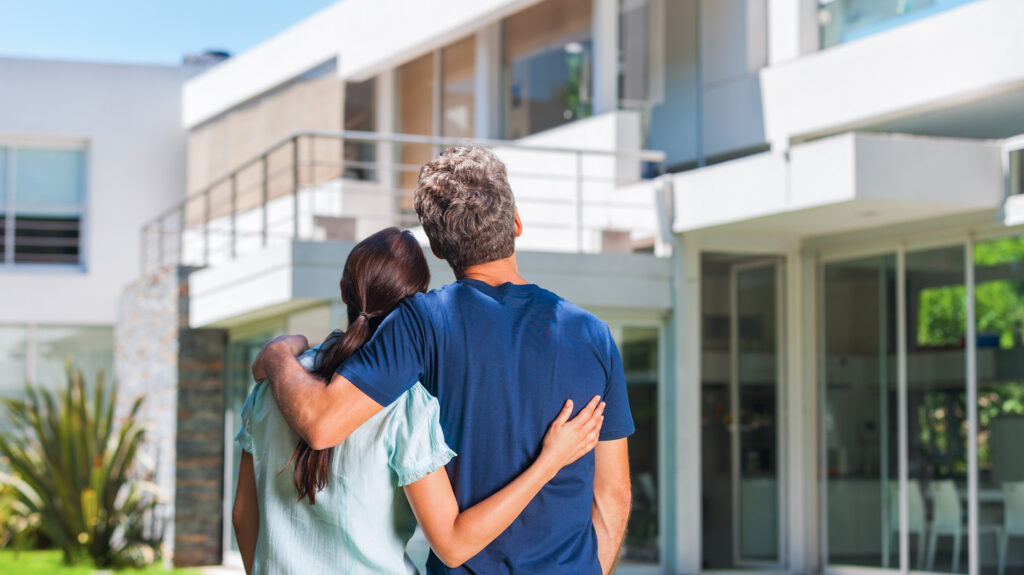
(269, 357)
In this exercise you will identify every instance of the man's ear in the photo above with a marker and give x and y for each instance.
(433, 250)
(518, 224)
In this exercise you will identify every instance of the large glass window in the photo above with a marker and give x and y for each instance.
(860, 418)
(937, 406)
(13, 363)
(42, 196)
(999, 312)
(360, 115)
(845, 20)
(415, 115)
(458, 82)
(548, 66)
(640, 361)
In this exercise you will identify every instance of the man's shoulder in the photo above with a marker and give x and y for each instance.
(573, 315)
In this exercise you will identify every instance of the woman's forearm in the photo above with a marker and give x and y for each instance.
(456, 537)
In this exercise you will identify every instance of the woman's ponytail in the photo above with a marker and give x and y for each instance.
(382, 270)
(312, 466)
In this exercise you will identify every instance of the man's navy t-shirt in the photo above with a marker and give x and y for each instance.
(502, 361)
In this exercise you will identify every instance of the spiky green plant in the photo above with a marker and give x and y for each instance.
(73, 469)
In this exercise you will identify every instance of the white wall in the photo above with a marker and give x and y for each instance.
(846, 182)
(129, 119)
(968, 53)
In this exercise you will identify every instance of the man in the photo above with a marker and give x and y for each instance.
(501, 356)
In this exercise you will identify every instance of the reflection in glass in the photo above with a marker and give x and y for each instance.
(740, 457)
(757, 487)
(548, 59)
(846, 20)
(90, 349)
(13, 346)
(999, 312)
(457, 66)
(860, 418)
(936, 401)
(640, 361)
(48, 197)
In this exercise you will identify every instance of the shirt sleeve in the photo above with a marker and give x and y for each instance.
(417, 442)
(392, 361)
(244, 435)
(618, 419)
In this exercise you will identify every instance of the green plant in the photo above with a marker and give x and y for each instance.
(74, 472)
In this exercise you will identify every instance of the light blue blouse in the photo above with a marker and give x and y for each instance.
(351, 527)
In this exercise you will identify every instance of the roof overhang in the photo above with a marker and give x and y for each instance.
(364, 37)
(841, 184)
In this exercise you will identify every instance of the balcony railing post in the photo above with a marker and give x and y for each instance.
(234, 215)
(295, 188)
(266, 194)
(144, 250)
(579, 201)
(181, 234)
(206, 227)
(160, 242)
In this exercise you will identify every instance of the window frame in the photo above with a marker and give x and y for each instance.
(9, 205)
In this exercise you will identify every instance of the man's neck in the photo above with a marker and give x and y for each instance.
(495, 273)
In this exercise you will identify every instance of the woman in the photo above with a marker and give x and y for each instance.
(347, 525)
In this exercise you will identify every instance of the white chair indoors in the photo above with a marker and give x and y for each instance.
(948, 520)
(1013, 519)
(916, 521)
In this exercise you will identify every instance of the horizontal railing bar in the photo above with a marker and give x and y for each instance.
(390, 138)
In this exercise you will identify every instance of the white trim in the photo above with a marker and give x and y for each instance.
(973, 559)
(901, 418)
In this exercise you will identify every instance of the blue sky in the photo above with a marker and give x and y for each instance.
(142, 31)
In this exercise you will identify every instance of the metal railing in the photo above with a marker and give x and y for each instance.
(345, 185)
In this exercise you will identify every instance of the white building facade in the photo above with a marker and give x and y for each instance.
(88, 153)
(800, 217)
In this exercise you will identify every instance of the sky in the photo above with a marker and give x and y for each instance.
(142, 31)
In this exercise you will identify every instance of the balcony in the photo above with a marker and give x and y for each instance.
(315, 187)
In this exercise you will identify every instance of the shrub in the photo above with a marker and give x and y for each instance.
(74, 473)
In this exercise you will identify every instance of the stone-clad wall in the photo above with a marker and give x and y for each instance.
(199, 496)
(181, 371)
(145, 362)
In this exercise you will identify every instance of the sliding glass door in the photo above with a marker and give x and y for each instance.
(923, 409)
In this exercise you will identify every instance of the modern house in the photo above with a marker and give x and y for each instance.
(88, 153)
(801, 218)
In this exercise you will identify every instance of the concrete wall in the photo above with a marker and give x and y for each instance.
(127, 117)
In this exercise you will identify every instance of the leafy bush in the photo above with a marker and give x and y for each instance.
(74, 473)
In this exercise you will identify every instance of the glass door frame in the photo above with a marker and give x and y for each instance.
(966, 236)
(666, 460)
(779, 265)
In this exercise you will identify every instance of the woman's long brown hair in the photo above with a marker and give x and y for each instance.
(381, 271)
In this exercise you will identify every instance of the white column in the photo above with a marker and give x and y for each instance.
(606, 56)
(801, 400)
(384, 112)
(684, 553)
(487, 102)
(792, 29)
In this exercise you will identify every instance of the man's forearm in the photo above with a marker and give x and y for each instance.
(322, 414)
(610, 515)
(297, 392)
